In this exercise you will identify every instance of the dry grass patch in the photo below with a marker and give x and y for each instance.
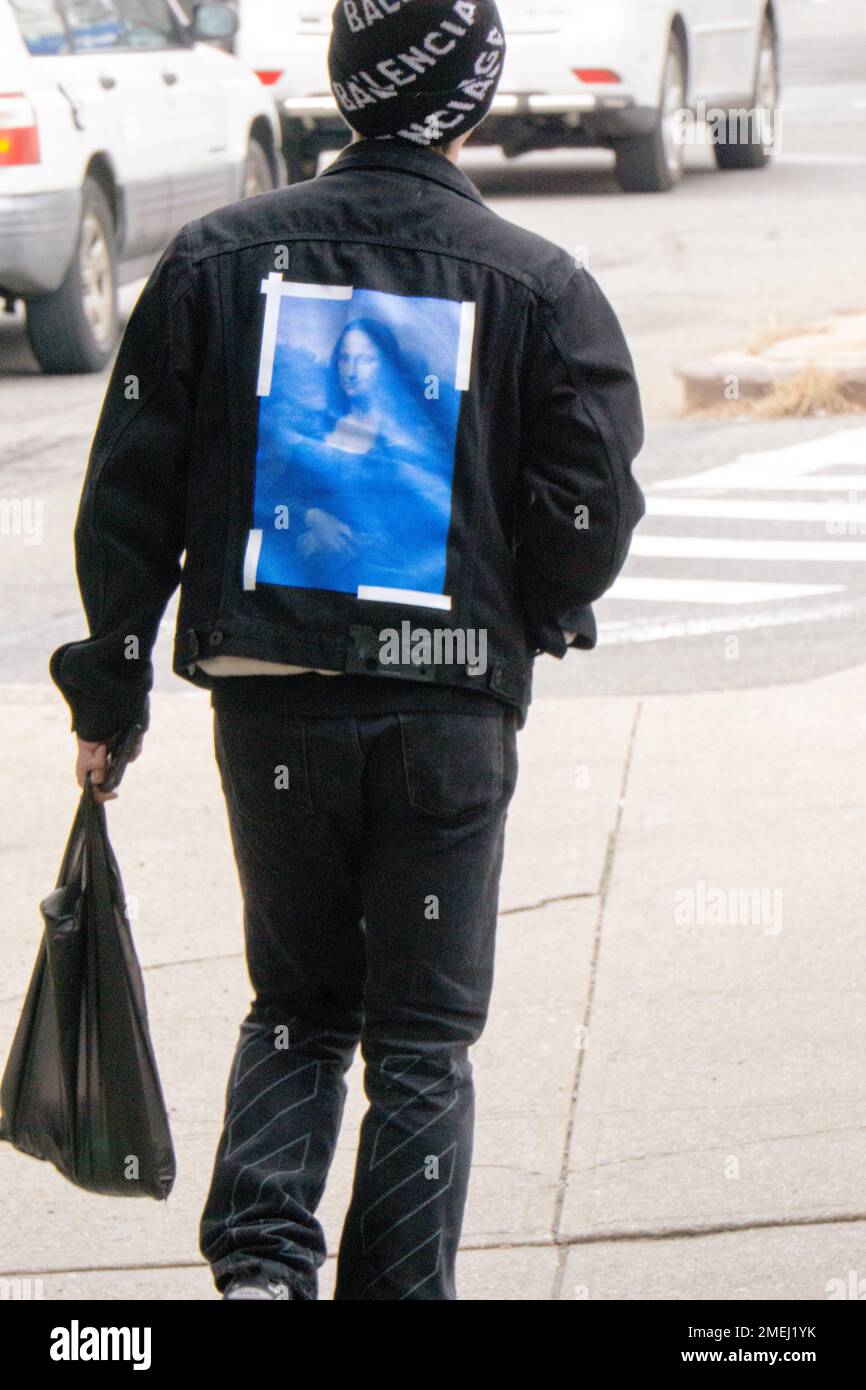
(811, 392)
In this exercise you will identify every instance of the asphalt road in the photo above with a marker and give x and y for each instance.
(753, 575)
(700, 271)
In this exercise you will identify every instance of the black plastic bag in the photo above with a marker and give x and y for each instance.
(81, 1088)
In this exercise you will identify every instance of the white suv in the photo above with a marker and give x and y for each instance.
(117, 126)
(615, 73)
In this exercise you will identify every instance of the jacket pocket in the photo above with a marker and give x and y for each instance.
(454, 763)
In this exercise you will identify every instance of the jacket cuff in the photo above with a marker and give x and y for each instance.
(97, 723)
(581, 621)
(94, 719)
(550, 639)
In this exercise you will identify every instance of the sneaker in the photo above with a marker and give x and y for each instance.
(263, 1288)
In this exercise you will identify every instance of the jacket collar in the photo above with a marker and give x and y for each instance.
(406, 158)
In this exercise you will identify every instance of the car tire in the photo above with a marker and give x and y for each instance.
(653, 163)
(300, 168)
(74, 328)
(258, 175)
(756, 152)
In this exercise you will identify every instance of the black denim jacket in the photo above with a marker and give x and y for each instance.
(497, 494)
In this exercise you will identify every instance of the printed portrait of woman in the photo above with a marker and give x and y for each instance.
(356, 384)
(361, 418)
(356, 452)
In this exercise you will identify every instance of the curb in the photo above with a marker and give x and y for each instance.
(707, 384)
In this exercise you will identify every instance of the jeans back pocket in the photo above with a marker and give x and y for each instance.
(454, 763)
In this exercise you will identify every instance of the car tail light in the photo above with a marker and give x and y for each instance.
(606, 75)
(269, 76)
(19, 136)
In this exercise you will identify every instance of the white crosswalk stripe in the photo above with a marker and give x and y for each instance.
(685, 557)
(848, 482)
(734, 548)
(731, 509)
(775, 469)
(653, 630)
(713, 590)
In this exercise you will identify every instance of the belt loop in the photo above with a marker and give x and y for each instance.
(363, 654)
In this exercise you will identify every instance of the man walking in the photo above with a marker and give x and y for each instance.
(393, 434)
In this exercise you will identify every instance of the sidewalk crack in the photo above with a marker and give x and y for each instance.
(546, 902)
(480, 1246)
(604, 888)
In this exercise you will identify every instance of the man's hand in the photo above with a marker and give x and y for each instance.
(92, 758)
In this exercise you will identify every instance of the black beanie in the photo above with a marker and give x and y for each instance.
(420, 70)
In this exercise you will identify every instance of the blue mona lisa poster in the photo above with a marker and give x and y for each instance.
(359, 400)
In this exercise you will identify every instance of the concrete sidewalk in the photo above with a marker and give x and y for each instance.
(670, 1097)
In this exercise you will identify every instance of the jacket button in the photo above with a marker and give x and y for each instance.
(215, 638)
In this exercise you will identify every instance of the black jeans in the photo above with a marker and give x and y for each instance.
(369, 851)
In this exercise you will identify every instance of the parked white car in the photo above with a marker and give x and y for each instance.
(614, 73)
(117, 126)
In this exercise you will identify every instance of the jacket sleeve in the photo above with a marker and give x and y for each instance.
(129, 531)
(579, 502)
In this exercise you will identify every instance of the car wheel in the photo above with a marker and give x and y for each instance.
(753, 149)
(258, 177)
(300, 168)
(74, 329)
(653, 163)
